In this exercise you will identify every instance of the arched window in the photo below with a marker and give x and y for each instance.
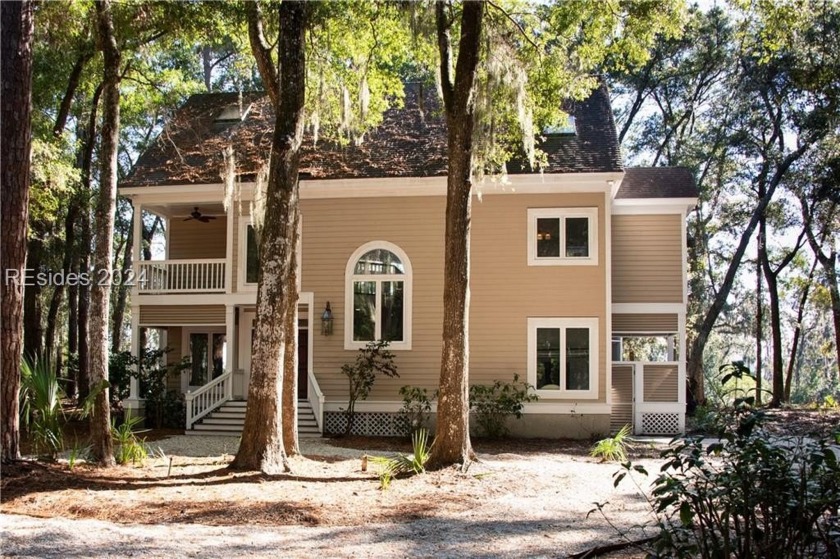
(378, 296)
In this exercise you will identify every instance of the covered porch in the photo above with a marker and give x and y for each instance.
(215, 342)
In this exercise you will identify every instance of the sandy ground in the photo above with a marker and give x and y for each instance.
(531, 502)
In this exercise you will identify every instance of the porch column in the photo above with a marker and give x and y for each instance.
(134, 403)
(230, 336)
(136, 252)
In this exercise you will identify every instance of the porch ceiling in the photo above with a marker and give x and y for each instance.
(183, 211)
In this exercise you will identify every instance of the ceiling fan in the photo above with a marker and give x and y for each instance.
(198, 216)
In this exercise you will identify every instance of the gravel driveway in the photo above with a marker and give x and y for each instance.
(546, 519)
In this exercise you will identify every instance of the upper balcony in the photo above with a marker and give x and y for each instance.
(191, 255)
(206, 275)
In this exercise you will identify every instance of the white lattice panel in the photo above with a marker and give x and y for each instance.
(376, 424)
(660, 423)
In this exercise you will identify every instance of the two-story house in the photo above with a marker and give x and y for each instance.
(571, 267)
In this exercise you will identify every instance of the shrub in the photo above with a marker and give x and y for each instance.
(612, 449)
(417, 408)
(372, 359)
(40, 406)
(750, 495)
(494, 404)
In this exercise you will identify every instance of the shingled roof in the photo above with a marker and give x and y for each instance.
(411, 142)
(657, 182)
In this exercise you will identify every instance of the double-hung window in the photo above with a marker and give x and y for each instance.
(378, 296)
(563, 357)
(562, 236)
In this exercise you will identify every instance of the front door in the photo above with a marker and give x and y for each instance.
(246, 336)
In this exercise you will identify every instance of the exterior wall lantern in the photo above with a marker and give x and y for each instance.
(327, 321)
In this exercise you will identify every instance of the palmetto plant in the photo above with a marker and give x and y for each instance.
(129, 447)
(415, 463)
(40, 406)
(612, 449)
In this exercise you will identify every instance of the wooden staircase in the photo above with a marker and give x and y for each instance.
(229, 419)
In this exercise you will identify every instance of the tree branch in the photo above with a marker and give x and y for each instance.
(262, 52)
(515, 23)
(445, 50)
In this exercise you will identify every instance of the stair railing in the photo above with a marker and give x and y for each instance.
(207, 398)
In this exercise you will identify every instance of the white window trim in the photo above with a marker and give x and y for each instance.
(594, 348)
(562, 213)
(407, 278)
(242, 257)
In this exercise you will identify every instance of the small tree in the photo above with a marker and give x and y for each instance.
(372, 359)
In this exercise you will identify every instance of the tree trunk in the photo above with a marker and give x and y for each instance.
(83, 322)
(262, 445)
(830, 267)
(17, 20)
(83, 316)
(66, 266)
(100, 425)
(797, 331)
(759, 325)
(778, 396)
(290, 376)
(122, 290)
(33, 332)
(452, 434)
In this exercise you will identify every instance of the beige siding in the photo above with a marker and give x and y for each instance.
(194, 239)
(162, 315)
(660, 383)
(647, 259)
(645, 323)
(505, 291)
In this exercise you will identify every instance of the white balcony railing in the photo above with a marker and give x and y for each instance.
(206, 275)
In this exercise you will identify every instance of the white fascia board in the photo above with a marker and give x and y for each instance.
(649, 206)
(536, 183)
(436, 186)
(648, 308)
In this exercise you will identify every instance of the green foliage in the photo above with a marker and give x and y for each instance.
(750, 495)
(168, 410)
(371, 360)
(77, 452)
(417, 408)
(399, 464)
(494, 404)
(164, 408)
(612, 449)
(40, 406)
(129, 447)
